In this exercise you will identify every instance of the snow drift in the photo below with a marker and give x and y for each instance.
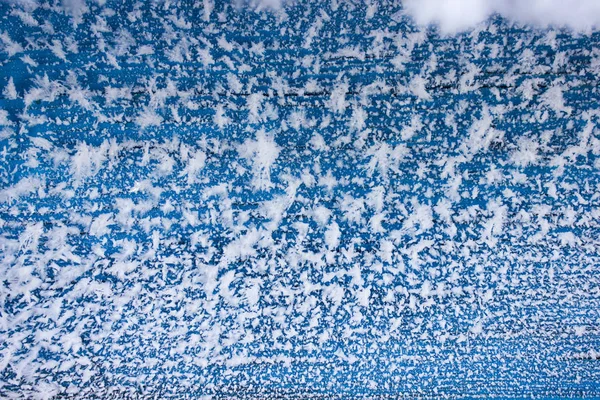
(458, 15)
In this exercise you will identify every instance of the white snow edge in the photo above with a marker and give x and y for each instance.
(454, 16)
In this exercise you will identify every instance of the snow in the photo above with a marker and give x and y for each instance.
(261, 153)
(332, 236)
(9, 46)
(337, 100)
(459, 15)
(259, 198)
(88, 160)
(148, 118)
(10, 92)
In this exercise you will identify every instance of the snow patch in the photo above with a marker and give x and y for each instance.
(454, 16)
(262, 154)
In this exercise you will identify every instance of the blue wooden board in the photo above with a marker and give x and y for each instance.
(202, 199)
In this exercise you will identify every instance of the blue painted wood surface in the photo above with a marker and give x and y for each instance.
(303, 202)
